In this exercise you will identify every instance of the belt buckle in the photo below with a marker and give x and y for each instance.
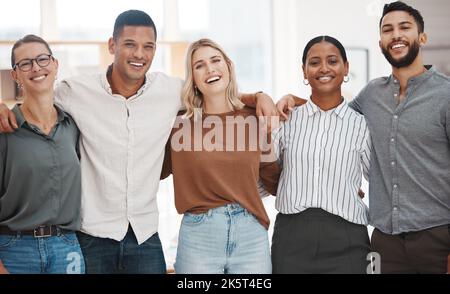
(39, 232)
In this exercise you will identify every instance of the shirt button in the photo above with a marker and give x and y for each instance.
(392, 163)
(395, 81)
(395, 95)
(395, 186)
(395, 116)
(392, 140)
(395, 208)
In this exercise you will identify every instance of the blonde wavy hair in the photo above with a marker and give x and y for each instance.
(192, 99)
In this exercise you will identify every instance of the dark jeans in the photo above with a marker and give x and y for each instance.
(317, 242)
(107, 256)
(423, 251)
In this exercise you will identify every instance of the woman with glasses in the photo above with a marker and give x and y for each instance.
(39, 172)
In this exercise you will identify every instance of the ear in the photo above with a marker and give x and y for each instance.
(304, 72)
(56, 64)
(56, 67)
(13, 74)
(111, 46)
(346, 68)
(379, 45)
(423, 38)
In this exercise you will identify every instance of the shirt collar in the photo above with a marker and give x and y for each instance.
(21, 119)
(339, 110)
(107, 86)
(425, 75)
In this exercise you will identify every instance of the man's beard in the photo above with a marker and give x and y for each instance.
(404, 61)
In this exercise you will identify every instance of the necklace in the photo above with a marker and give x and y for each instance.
(34, 120)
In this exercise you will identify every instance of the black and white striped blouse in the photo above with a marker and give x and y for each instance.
(323, 154)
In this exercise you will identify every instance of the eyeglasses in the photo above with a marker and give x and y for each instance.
(25, 65)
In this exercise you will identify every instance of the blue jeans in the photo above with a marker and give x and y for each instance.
(227, 239)
(107, 256)
(23, 254)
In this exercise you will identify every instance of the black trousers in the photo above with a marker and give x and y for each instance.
(423, 251)
(315, 241)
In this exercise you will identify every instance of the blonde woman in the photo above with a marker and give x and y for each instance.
(215, 157)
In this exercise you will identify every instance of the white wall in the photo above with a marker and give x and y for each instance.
(353, 22)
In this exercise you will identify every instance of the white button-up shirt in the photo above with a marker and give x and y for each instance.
(323, 154)
(122, 146)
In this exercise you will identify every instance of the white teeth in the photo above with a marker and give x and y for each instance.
(325, 79)
(39, 78)
(396, 46)
(137, 64)
(213, 79)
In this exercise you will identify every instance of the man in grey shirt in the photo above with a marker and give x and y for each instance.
(408, 114)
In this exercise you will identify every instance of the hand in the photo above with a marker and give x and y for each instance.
(361, 194)
(2, 269)
(285, 106)
(8, 121)
(266, 110)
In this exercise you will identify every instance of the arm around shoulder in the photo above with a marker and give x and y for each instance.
(8, 121)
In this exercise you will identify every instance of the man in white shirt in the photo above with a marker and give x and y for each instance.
(124, 117)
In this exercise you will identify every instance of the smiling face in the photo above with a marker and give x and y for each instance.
(210, 71)
(133, 51)
(400, 39)
(38, 78)
(325, 68)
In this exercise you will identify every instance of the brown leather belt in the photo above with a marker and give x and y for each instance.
(39, 232)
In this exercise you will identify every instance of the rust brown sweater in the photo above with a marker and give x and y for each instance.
(219, 173)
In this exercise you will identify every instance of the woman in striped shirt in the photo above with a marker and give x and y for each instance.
(324, 147)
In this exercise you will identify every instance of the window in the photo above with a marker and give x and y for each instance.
(19, 18)
(94, 20)
(242, 28)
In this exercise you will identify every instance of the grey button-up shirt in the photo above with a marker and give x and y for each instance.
(40, 175)
(409, 182)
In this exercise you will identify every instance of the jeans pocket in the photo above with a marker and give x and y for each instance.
(253, 219)
(69, 239)
(85, 240)
(7, 240)
(194, 219)
(153, 242)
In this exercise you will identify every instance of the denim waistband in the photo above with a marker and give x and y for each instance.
(230, 209)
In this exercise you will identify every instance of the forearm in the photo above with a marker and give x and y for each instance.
(248, 99)
(270, 174)
(299, 101)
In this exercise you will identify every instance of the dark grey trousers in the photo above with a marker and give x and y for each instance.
(421, 252)
(315, 241)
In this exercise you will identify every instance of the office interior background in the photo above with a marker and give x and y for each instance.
(264, 38)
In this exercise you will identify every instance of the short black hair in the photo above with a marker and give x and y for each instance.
(328, 39)
(132, 18)
(400, 6)
(25, 40)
